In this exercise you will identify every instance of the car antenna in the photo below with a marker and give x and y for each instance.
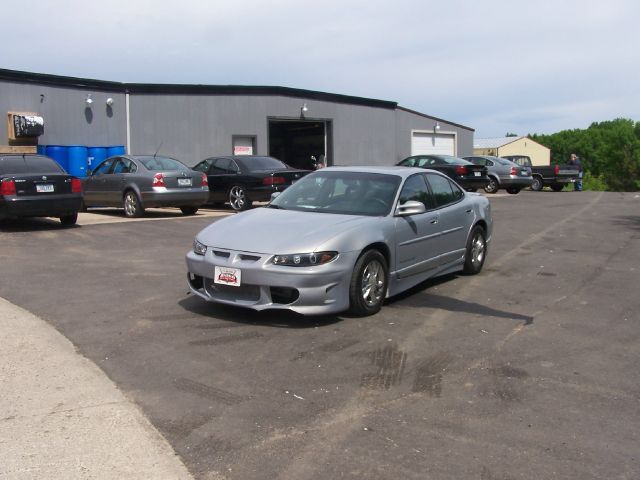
(159, 147)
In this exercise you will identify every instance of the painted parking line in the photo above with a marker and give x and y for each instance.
(96, 216)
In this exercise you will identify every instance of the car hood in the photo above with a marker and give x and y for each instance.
(269, 230)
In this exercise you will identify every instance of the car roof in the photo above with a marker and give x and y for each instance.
(387, 170)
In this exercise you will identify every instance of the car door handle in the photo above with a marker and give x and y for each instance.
(469, 210)
(434, 220)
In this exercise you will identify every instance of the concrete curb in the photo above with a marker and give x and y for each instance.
(62, 418)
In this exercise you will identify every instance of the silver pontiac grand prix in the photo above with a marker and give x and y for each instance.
(342, 238)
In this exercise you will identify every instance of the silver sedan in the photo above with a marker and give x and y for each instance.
(342, 238)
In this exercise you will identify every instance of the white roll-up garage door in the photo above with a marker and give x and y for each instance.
(423, 143)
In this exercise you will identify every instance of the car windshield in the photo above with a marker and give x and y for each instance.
(29, 164)
(164, 164)
(262, 163)
(426, 161)
(342, 192)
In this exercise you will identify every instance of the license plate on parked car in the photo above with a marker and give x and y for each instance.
(44, 188)
(184, 182)
(477, 174)
(227, 276)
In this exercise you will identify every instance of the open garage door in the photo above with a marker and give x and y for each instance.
(429, 143)
(296, 141)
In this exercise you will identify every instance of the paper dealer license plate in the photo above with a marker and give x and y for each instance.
(44, 188)
(227, 276)
(184, 182)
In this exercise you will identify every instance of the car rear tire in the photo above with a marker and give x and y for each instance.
(188, 210)
(68, 220)
(513, 190)
(369, 281)
(536, 184)
(132, 205)
(493, 186)
(557, 188)
(238, 198)
(476, 251)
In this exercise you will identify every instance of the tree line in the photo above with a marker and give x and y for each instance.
(609, 152)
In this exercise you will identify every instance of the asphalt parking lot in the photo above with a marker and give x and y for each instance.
(528, 370)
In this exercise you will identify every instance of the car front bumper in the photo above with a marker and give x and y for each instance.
(314, 290)
(40, 206)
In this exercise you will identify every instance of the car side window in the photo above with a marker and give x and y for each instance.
(220, 166)
(104, 167)
(415, 188)
(444, 191)
(477, 160)
(489, 163)
(120, 167)
(233, 167)
(203, 166)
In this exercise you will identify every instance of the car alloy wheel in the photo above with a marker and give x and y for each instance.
(476, 251)
(536, 184)
(238, 198)
(132, 207)
(368, 284)
(492, 186)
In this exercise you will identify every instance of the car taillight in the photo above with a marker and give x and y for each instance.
(461, 170)
(557, 169)
(158, 180)
(205, 180)
(7, 187)
(514, 171)
(273, 180)
(76, 185)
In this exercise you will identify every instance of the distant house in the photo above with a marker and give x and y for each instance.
(499, 147)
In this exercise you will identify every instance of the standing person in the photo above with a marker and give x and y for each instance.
(575, 161)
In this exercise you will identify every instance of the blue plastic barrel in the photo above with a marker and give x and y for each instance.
(60, 154)
(96, 155)
(115, 150)
(41, 149)
(78, 160)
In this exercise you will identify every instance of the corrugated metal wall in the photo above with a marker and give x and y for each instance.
(191, 127)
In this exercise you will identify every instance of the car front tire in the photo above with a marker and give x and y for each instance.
(132, 205)
(476, 251)
(369, 282)
(536, 184)
(68, 220)
(188, 210)
(238, 198)
(492, 186)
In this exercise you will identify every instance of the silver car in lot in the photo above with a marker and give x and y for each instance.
(342, 238)
(503, 173)
(136, 182)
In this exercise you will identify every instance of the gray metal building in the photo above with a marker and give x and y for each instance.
(192, 122)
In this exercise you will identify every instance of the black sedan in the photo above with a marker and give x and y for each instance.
(136, 182)
(242, 180)
(466, 174)
(36, 186)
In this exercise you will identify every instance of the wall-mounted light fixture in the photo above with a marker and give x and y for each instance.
(88, 101)
(303, 109)
(42, 98)
(436, 127)
(109, 102)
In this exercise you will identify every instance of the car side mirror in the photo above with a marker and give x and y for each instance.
(412, 207)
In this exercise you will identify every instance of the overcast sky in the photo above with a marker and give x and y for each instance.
(497, 66)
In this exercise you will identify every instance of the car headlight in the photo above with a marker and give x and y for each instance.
(199, 248)
(304, 259)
